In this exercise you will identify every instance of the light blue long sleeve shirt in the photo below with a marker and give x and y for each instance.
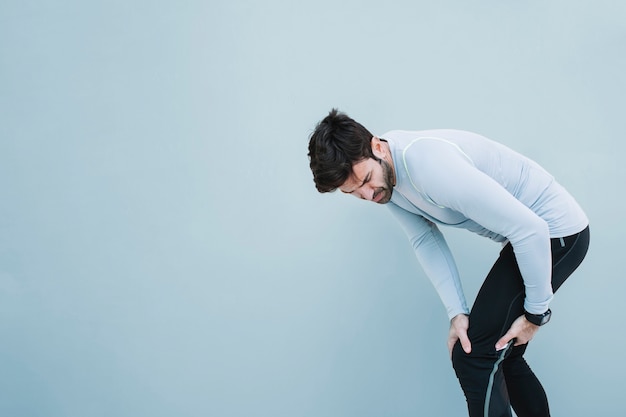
(464, 180)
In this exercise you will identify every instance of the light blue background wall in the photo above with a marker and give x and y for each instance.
(163, 251)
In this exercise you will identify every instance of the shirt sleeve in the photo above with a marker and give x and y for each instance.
(448, 178)
(435, 258)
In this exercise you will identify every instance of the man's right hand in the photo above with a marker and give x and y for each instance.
(458, 331)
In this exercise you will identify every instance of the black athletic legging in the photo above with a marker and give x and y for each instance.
(494, 381)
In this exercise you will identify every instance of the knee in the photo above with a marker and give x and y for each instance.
(477, 362)
(460, 359)
(516, 366)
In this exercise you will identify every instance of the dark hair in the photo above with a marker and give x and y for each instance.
(336, 144)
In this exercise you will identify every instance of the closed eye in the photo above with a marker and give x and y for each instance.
(367, 179)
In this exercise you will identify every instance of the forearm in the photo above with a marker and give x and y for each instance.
(437, 262)
(435, 258)
(534, 259)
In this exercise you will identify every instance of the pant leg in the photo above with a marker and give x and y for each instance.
(526, 394)
(499, 302)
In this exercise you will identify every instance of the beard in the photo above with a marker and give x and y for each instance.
(387, 190)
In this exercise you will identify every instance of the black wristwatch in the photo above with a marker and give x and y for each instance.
(538, 319)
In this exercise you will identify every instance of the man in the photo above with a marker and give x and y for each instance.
(464, 180)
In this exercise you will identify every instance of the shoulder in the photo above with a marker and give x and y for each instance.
(436, 139)
(433, 151)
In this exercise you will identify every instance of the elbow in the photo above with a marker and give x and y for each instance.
(426, 236)
(529, 230)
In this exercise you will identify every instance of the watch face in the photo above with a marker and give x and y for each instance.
(539, 319)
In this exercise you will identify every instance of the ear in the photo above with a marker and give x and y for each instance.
(379, 150)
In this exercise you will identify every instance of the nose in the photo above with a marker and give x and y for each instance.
(366, 193)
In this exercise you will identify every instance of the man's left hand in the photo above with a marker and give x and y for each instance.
(522, 330)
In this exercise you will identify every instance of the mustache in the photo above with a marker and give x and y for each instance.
(379, 191)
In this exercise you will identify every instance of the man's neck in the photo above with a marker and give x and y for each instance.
(389, 159)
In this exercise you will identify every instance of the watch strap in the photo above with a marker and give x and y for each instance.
(538, 319)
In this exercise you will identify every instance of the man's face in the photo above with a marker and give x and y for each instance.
(371, 180)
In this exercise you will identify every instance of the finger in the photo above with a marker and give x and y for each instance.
(465, 342)
(451, 341)
(504, 340)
